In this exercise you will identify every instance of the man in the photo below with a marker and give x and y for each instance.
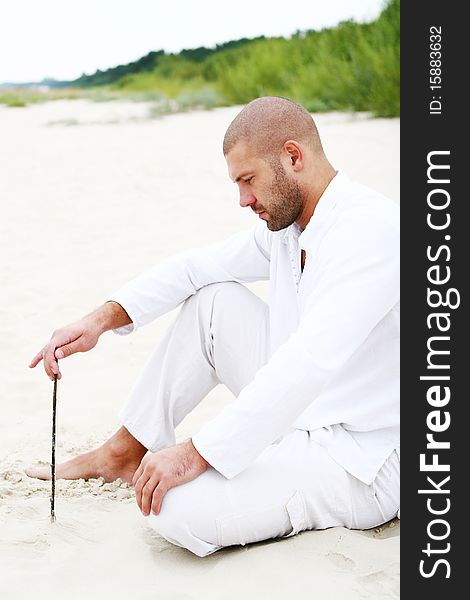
(312, 439)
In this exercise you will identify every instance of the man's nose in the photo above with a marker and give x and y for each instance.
(246, 198)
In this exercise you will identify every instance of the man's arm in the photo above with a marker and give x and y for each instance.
(80, 336)
(357, 280)
(243, 257)
(356, 285)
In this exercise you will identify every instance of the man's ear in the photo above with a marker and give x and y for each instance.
(295, 153)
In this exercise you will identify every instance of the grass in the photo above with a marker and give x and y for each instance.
(351, 67)
(19, 97)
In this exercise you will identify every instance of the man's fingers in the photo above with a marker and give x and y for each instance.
(37, 359)
(139, 486)
(78, 337)
(147, 493)
(68, 349)
(158, 496)
(50, 364)
(137, 474)
(53, 352)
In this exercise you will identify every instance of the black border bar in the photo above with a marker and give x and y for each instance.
(434, 204)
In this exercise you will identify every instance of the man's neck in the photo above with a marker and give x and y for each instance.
(319, 184)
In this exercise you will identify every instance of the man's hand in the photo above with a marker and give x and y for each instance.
(81, 336)
(163, 470)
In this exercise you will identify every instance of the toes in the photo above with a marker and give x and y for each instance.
(38, 472)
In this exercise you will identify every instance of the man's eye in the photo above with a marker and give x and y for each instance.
(249, 180)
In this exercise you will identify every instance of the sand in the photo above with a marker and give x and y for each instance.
(92, 194)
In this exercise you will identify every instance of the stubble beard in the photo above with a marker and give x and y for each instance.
(287, 199)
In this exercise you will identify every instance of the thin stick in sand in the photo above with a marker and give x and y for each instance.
(54, 405)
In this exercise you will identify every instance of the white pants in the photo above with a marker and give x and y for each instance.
(221, 335)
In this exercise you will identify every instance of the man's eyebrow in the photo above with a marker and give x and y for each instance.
(241, 176)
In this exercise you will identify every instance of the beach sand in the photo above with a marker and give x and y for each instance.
(91, 195)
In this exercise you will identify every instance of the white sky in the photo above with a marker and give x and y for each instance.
(65, 38)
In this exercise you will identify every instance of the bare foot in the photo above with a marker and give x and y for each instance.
(118, 457)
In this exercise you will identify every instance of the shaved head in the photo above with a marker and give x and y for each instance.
(265, 124)
(274, 155)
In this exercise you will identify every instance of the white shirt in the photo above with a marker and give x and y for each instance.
(334, 365)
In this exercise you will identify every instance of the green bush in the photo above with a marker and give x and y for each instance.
(348, 67)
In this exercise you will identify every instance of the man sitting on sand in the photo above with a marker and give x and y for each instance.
(312, 439)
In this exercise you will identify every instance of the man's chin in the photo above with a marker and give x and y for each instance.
(273, 226)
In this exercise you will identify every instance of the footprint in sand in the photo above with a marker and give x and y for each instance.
(381, 584)
(341, 561)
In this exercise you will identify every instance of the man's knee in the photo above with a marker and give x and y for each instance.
(224, 290)
(185, 523)
(217, 298)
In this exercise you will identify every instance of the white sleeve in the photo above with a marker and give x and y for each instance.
(356, 286)
(244, 257)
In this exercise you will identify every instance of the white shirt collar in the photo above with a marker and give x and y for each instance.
(328, 200)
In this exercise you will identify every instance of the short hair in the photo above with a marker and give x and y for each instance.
(266, 123)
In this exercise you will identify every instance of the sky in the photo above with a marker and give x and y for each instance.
(62, 39)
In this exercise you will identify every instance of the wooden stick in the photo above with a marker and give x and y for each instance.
(54, 405)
